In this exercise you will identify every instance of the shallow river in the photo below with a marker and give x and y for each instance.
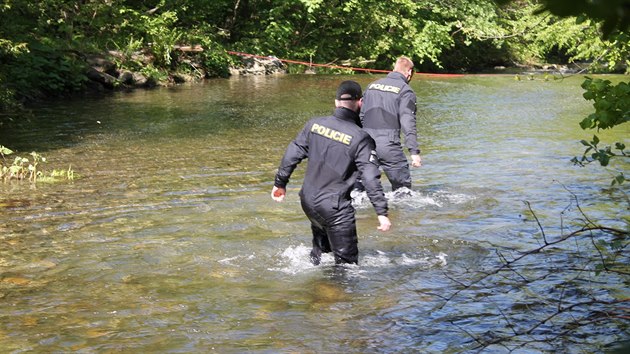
(169, 241)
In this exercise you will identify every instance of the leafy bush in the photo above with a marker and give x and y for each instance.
(46, 71)
(214, 59)
(612, 108)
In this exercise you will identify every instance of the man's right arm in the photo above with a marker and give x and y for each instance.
(294, 154)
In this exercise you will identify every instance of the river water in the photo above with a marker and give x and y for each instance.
(170, 242)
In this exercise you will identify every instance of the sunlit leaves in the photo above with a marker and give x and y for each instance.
(611, 103)
(612, 108)
(312, 5)
(23, 168)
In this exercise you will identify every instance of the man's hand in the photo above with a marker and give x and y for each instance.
(385, 224)
(416, 161)
(278, 194)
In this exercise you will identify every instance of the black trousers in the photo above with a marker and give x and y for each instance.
(334, 228)
(394, 163)
(391, 157)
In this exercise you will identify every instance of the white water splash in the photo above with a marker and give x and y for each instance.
(295, 260)
(453, 198)
(413, 199)
(228, 261)
(384, 259)
(380, 259)
(442, 258)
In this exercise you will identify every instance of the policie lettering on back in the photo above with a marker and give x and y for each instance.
(331, 134)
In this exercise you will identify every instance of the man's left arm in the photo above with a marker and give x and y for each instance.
(367, 163)
(407, 111)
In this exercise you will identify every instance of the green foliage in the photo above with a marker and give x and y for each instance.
(163, 36)
(612, 108)
(23, 168)
(154, 74)
(58, 175)
(156, 28)
(611, 103)
(46, 71)
(458, 34)
(42, 43)
(369, 33)
(7, 97)
(8, 49)
(5, 151)
(536, 33)
(214, 59)
(613, 14)
(129, 50)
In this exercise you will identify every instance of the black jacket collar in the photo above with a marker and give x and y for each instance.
(347, 115)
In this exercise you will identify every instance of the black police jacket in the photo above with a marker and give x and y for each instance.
(390, 104)
(336, 148)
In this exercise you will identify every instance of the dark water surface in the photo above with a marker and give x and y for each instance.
(170, 242)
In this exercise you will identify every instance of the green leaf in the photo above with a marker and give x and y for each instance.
(588, 95)
(5, 150)
(603, 158)
(587, 123)
(619, 179)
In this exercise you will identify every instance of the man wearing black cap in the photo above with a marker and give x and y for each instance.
(337, 149)
(389, 108)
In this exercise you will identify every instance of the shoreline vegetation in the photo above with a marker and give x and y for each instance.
(53, 49)
(109, 73)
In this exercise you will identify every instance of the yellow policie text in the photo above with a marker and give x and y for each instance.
(331, 134)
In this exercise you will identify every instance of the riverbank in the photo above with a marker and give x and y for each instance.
(113, 71)
(104, 74)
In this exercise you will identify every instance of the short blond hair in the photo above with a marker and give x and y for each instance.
(403, 64)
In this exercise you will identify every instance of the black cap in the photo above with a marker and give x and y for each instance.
(349, 91)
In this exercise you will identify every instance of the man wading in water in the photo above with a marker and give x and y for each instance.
(389, 107)
(337, 149)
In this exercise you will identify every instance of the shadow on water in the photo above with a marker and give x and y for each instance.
(181, 112)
